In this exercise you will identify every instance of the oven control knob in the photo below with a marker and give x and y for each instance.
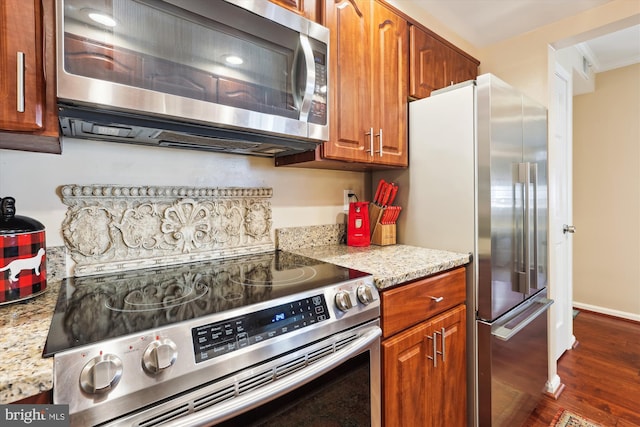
(159, 355)
(101, 374)
(365, 294)
(343, 300)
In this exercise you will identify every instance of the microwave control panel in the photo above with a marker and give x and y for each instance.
(318, 112)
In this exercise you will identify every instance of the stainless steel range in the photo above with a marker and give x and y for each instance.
(264, 339)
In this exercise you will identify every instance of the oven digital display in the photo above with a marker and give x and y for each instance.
(216, 339)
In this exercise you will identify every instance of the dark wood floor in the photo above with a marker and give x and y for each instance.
(601, 375)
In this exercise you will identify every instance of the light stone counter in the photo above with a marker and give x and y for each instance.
(389, 265)
(24, 326)
(23, 332)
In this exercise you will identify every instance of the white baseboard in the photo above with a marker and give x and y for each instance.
(552, 387)
(607, 311)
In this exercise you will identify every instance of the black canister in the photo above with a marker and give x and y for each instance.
(23, 264)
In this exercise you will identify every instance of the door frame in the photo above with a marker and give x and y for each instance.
(561, 313)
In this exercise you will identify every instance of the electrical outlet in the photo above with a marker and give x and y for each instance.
(346, 199)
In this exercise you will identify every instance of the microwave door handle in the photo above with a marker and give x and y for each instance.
(303, 99)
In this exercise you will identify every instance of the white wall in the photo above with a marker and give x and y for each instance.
(420, 14)
(300, 196)
(522, 61)
(571, 58)
(606, 196)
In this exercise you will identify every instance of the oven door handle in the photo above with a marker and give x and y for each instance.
(246, 402)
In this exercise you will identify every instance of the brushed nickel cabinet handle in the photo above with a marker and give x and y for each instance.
(370, 133)
(435, 350)
(20, 82)
(436, 299)
(379, 135)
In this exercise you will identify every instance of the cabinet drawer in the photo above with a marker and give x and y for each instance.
(415, 302)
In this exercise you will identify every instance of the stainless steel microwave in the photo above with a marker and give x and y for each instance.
(240, 76)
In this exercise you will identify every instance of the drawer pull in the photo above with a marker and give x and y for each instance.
(436, 299)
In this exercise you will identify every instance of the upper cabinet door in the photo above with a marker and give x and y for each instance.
(434, 64)
(460, 68)
(428, 64)
(21, 76)
(369, 54)
(350, 93)
(306, 8)
(390, 75)
(28, 110)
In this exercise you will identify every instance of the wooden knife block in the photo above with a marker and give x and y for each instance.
(381, 234)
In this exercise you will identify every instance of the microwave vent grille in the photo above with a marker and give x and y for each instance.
(170, 138)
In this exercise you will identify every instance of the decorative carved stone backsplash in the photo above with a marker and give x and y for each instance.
(114, 228)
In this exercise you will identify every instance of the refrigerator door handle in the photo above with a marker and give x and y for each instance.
(533, 275)
(505, 331)
(524, 276)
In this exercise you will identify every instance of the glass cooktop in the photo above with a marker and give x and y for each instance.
(96, 308)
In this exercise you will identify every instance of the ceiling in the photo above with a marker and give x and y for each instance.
(484, 22)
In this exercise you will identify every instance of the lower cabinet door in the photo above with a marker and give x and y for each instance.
(448, 399)
(425, 373)
(405, 377)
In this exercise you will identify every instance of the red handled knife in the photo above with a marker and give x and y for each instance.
(396, 214)
(383, 218)
(394, 191)
(381, 185)
(386, 193)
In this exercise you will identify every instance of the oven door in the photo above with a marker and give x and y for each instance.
(338, 383)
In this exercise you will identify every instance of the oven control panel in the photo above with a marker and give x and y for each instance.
(216, 339)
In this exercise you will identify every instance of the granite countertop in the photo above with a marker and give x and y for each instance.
(389, 265)
(24, 325)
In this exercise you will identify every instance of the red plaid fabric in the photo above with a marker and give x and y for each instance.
(23, 265)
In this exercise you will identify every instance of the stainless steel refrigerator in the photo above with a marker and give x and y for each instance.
(477, 183)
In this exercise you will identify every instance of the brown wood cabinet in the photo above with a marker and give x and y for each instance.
(424, 352)
(43, 398)
(28, 115)
(349, 80)
(389, 87)
(368, 83)
(436, 64)
(306, 8)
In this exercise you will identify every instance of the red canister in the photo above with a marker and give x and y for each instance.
(23, 264)
(358, 224)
